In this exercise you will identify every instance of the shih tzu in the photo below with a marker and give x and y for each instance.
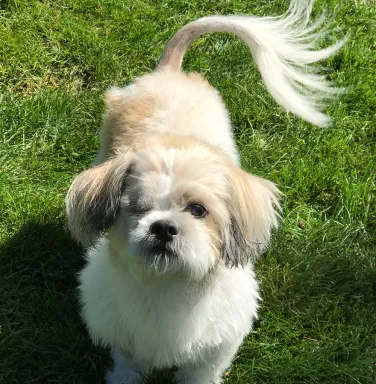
(173, 224)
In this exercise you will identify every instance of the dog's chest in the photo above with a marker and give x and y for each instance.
(165, 324)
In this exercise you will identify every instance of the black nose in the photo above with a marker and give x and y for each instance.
(164, 230)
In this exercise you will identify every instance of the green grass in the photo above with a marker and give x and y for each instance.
(318, 280)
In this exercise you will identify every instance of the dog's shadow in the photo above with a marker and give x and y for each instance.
(42, 338)
(42, 335)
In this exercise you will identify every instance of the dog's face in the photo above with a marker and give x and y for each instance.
(172, 208)
(174, 205)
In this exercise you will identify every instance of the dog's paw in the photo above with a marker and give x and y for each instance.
(117, 377)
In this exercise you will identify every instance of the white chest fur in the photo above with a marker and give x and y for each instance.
(165, 320)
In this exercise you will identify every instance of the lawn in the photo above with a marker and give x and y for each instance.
(318, 280)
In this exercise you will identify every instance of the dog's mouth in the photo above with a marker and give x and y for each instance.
(157, 251)
(160, 251)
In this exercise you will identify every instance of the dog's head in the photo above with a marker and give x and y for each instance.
(175, 203)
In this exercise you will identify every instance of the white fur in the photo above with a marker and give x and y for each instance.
(168, 321)
(196, 255)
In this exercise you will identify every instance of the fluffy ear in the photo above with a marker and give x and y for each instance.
(253, 208)
(93, 198)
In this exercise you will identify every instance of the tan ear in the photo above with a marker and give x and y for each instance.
(93, 198)
(253, 207)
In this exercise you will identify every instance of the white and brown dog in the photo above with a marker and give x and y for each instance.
(175, 223)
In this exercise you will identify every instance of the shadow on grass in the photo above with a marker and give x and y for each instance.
(42, 337)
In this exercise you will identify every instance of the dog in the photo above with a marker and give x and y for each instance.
(173, 225)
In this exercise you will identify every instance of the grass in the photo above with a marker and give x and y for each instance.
(318, 280)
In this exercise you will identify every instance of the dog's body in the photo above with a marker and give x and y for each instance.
(177, 224)
(171, 319)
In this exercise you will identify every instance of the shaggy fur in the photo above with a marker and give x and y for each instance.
(167, 156)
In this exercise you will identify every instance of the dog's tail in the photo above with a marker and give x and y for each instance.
(283, 48)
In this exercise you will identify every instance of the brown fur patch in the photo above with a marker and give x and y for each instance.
(133, 113)
(124, 120)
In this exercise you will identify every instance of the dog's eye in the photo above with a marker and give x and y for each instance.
(197, 210)
(138, 209)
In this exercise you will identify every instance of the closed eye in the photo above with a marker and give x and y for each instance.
(137, 209)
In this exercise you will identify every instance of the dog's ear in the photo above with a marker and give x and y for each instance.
(94, 197)
(253, 207)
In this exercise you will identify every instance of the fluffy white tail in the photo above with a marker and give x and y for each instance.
(283, 48)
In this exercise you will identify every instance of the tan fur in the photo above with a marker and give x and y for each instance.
(253, 206)
(202, 174)
(172, 56)
(124, 120)
(214, 232)
(141, 127)
(153, 104)
(196, 77)
(91, 189)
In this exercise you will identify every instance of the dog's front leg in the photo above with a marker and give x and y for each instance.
(125, 370)
(212, 367)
